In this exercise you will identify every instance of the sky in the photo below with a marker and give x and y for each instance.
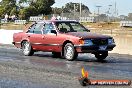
(123, 6)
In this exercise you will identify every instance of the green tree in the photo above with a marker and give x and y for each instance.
(36, 7)
(23, 13)
(129, 16)
(14, 11)
(69, 7)
(1, 12)
(57, 10)
(6, 6)
(43, 6)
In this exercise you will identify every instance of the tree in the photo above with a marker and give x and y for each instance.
(36, 7)
(57, 10)
(130, 16)
(1, 11)
(24, 13)
(70, 7)
(43, 6)
(6, 6)
(14, 11)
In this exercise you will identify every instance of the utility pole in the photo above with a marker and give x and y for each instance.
(109, 8)
(115, 13)
(80, 9)
(98, 11)
(116, 10)
(109, 13)
(74, 10)
(62, 12)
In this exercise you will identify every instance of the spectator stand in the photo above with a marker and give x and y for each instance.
(87, 19)
(35, 18)
(20, 22)
(3, 21)
(126, 24)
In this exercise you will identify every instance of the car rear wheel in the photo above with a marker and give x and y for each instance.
(27, 49)
(69, 52)
(101, 55)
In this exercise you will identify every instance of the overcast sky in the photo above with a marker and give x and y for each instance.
(124, 6)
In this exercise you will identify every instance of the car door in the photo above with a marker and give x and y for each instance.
(50, 39)
(35, 36)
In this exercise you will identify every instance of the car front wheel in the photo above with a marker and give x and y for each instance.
(69, 52)
(27, 49)
(101, 55)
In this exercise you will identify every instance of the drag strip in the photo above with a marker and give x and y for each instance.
(43, 71)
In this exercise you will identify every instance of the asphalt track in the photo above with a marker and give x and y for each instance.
(43, 71)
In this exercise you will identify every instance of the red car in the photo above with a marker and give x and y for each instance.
(64, 39)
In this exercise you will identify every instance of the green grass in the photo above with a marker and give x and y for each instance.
(12, 26)
(87, 23)
(129, 29)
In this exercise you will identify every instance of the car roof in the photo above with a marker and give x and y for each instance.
(47, 21)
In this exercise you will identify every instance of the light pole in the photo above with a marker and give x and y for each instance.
(98, 11)
(74, 10)
(109, 13)
(63, 11)
(80, 8)
(109, 8)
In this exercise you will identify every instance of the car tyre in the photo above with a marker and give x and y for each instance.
(69, 52)
(27, 48)
(101, 55)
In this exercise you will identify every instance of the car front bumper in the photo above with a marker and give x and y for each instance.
(93, 48)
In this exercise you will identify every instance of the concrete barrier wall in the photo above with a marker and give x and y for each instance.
(126, 24)
(3, 21)
(20, 21)
(87, 19)
(6, 36)
(35, 18)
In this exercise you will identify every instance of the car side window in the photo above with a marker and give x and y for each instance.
(47, 28)
(63, 27)
(31, 29)
(36, 28)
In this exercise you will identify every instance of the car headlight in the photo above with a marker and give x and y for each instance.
(111, 41)
(86, 42)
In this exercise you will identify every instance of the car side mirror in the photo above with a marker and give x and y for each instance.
(54, 31)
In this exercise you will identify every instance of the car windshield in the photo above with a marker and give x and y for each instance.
(65, 27)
